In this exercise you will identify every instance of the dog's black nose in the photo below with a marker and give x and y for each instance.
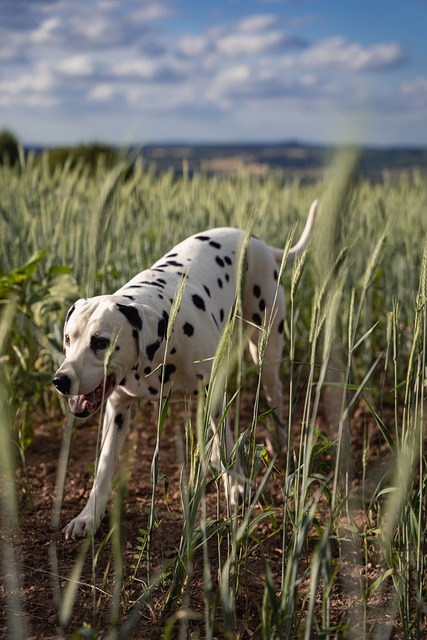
(63, 384)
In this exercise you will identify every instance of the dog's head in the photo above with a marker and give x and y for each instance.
(104, 338)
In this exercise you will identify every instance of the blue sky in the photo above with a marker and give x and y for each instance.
(142, 71)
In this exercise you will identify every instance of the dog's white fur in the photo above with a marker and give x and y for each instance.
(114, 345)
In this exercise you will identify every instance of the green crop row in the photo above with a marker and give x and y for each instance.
(356, 335)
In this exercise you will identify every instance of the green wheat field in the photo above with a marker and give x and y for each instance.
(332, 540)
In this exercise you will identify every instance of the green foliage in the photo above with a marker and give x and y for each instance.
(86, 155)
(9, 148)
(28, 359)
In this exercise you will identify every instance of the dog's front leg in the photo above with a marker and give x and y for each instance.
(114, 431)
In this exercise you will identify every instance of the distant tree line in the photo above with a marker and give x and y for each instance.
(86, 154)
(9, 147)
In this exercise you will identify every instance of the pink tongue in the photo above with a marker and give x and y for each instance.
(78, 404)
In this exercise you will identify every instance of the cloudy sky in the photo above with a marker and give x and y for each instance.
(141, 71)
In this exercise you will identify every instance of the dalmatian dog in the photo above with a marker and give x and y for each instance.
(116, 351)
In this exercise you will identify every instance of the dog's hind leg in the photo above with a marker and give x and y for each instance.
(270, 377)
(114, 431)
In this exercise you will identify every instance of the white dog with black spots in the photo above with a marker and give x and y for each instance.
(114, 345)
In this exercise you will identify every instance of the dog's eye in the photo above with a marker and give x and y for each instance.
(97, 343)
(67, 339)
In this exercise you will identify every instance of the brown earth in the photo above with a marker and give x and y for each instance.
(33, 542)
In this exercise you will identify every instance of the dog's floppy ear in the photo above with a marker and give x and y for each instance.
(72, 309)
(149, 327)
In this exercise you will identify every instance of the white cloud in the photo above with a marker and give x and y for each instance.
(257, 22)
(144, 68)
(41, 81)
(47, 31)
(235, 44)
(153, 11)
(76, 66)
(29, 89)
(102, 92)
(141, 68)
(253, 35)
(194, 45)
(339, 54)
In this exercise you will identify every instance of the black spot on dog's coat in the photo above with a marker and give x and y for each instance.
(151, 349)
(220, 261)
(214, 319)
(122, 382)
(202, 238)
(173, 263)
(152, 283)
(262, 305)
(119, 420)
(257, 291)
(198, 302)
(228, 260)
(153, 391)
(257, 319)
(137, 376)
(214, 244)
(207, 290)
(276, 275)
(163, 325)
(221, 315)
(173, 350)
(131, 314)
(281, 325)
(168, 371)
(188, 329)
(147, 370)
(219, 283)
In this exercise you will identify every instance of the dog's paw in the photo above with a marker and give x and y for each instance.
(79, 527)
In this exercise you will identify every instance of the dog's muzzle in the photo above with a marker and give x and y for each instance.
(84, 405)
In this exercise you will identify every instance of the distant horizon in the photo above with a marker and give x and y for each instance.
(230, 144)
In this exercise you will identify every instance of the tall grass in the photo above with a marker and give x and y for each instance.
(356, 344)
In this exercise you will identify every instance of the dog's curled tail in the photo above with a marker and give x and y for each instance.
(299, 247)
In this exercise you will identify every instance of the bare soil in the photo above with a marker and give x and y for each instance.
(355, 567)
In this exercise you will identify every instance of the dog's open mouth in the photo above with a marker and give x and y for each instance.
(87, 404)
